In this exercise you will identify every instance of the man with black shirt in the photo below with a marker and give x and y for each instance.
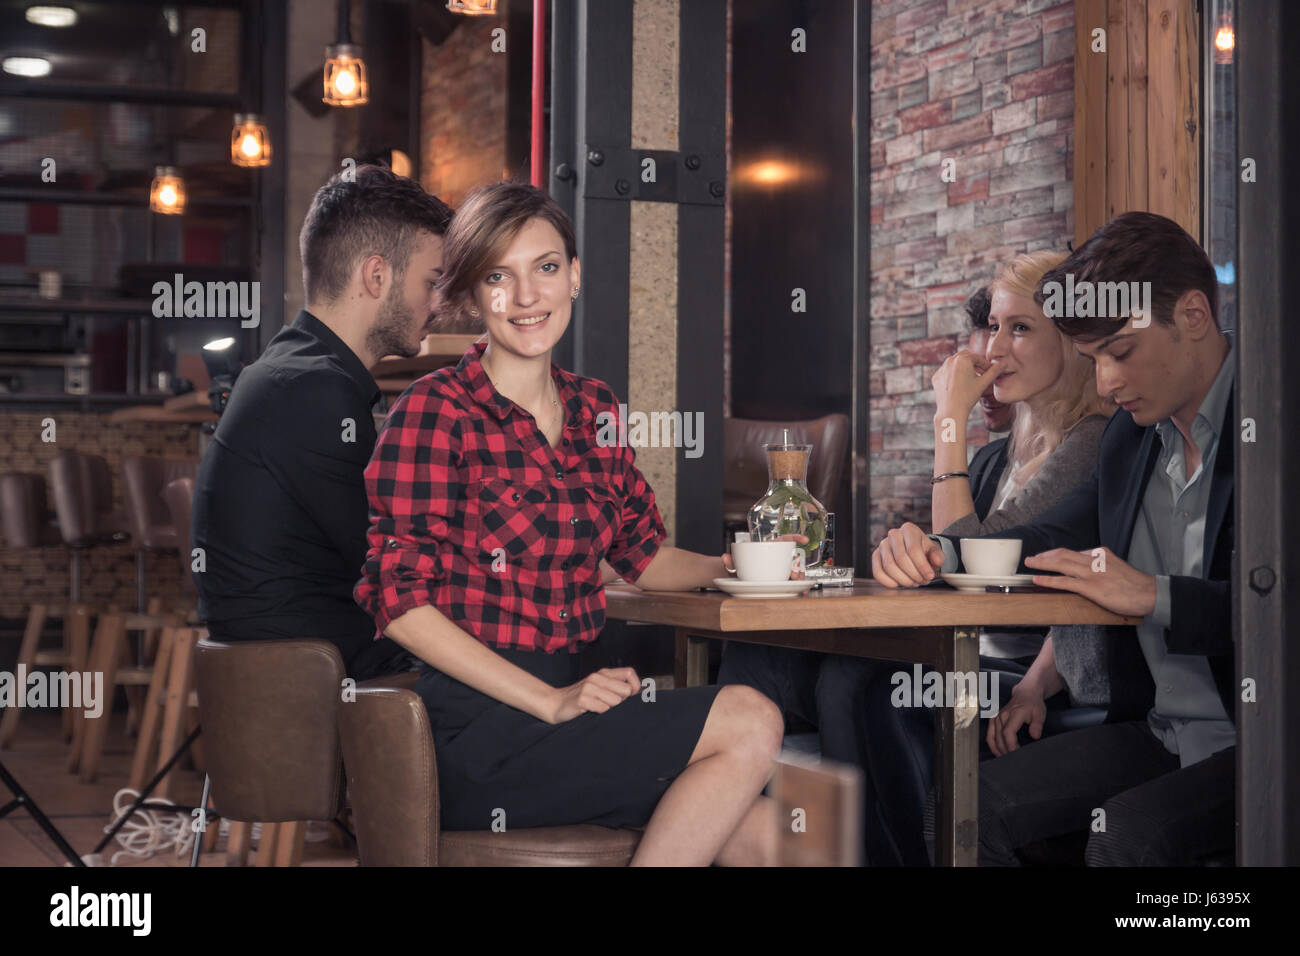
(280, 506)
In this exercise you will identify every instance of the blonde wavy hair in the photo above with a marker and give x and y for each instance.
(1072, 398)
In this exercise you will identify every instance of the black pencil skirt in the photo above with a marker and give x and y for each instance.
(496, 763)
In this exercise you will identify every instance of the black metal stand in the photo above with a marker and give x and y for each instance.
(21, 799)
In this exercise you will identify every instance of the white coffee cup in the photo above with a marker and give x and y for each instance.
(763, 560)
(991, 557)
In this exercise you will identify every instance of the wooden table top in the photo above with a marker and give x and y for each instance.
(866, 604)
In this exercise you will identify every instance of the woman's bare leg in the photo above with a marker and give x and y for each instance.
(704, 807)
(756, 839)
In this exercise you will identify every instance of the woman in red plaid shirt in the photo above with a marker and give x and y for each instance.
(495, 515)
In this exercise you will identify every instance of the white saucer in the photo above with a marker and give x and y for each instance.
(978, 582)
(762, 589)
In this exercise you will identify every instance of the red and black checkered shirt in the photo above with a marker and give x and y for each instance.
(473, 512)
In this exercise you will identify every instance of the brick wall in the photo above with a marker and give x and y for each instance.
(463, 110)
(108, 573)
(989, 85)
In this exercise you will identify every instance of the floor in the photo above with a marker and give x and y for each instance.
(83, 811)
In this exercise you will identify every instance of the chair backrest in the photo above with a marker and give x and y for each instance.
(83, 496)
(392, 776)
(24, 510)
(179, 497)
(745, 464)
(269, 712)
(143, 481)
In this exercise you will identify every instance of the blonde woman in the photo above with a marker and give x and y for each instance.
(1059, 420)
(1059, 415)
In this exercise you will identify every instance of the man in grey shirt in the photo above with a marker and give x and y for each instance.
(1149, 536)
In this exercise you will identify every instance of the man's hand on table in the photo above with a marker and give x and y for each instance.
(906, 558)
(1100, 576)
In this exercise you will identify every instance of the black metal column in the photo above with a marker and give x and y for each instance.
(860, 410)
(591, 103)
(701, 234)
(269, 236)
(1266, 611)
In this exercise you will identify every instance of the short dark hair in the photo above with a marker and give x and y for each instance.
(978, 307)
(1135, 247)
(486, 223)
(359, 213)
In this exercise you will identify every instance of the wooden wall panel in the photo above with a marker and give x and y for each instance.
(1187, 121)
(1118, 125)
(1137, 113)
(1089, 121)
(1137, 102)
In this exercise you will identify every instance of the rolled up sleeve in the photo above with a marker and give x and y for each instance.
(640, 532)
(413, 483)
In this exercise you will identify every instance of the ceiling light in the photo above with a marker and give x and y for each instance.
(345, 71)
(167, 192)
(473, 8)
(52, 16)
(26, 65)
(250, 144)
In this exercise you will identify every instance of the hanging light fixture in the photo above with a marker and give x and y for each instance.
(345, 71)
(1224, 39)
(473, 8)
(167, 192)
(250, 145)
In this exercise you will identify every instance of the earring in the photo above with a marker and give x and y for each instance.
(574, 293)
(474, 312)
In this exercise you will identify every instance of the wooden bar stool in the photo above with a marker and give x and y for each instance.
(107, 656)
(72, 656)
(25, 520)
(171, 694)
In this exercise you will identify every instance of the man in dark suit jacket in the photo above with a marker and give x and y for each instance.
(1149, 536)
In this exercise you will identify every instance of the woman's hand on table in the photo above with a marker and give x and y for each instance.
(906, 558)
(596, 693)
(1026, 706)
(795, 574)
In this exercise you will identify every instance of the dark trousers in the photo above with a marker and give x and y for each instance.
(826, 691)
(1153, 812)
(381, 658)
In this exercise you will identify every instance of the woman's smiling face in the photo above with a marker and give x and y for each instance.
(1027, 345)
(526, 297)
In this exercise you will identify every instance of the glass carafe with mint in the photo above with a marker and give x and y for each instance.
(788, 507)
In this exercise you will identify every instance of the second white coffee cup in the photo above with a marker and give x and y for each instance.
(763, 560)
(991, 557)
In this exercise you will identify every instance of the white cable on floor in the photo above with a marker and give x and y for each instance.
(149, 831)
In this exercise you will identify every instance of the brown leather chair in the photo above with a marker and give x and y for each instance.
(83, 499)
(269, 712)
(393, 782)
(143, 482)
(745, 463)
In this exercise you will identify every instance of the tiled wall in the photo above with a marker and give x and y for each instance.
(989, 85)
(108, 573)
